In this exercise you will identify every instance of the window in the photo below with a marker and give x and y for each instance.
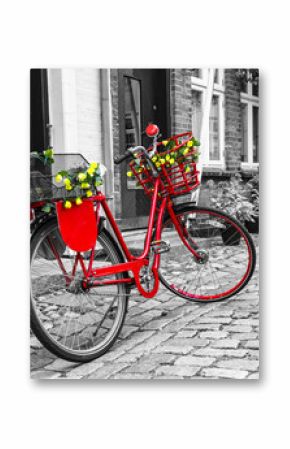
(255, 134)
(132, 122)
(214, 131)
(245, 132)
(214, 156)
(196, 112)
(250, 122)
(255, 88)
(132, 96)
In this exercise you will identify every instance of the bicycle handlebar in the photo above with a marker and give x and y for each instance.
(151, 131)
(129, 153)
(122, 157)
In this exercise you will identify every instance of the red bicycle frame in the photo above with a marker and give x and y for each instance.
(134, 264)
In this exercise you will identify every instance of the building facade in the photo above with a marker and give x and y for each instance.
(101, 112)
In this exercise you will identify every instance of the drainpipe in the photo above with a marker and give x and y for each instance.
(107, 134)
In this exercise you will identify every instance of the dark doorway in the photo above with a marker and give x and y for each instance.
(143, 98)
(39, 116)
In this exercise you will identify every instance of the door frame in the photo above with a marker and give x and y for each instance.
(128, 195)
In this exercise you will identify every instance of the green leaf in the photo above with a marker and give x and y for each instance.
(63, 173)
(170, 145)
(46, 208)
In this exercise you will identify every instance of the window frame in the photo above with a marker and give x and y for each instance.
(199, 84)
(251, 101)
(131, 184)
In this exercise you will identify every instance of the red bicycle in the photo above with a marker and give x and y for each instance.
(82, 276)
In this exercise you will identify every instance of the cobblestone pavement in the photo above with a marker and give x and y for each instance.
(170, 338)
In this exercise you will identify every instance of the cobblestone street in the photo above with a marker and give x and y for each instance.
(170, 338)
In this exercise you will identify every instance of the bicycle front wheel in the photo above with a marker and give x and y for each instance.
(73, 322)
(227, 255)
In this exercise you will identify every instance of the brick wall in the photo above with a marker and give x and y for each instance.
(116, 141)
(181, 100)
(233, 121)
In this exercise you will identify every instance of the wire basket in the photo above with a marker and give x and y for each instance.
(43, 186)
(177, 179)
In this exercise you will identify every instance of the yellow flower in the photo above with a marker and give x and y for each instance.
(154, 159)
(66, 182)
(129, 174)
(94, 165)
(91, 171)
(190, 144)
(78, 201)
(58, 178)
(172, 160)
(162, 161)
(67, 204)
(185, 151)
(167, 157)
(89, 193)
(164, 142)
(82, 176)
(48, 153)
(157, 164)
(187, 169)
(68, 187)
(85, 185)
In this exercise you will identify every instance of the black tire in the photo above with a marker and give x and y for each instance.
(40, 251)
(190, 208)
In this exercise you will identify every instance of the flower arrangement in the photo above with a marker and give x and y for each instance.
(80, 183)
(77, 183)
(232, 197)
(169, 156)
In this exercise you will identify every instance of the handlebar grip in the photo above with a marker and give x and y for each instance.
(122, 157)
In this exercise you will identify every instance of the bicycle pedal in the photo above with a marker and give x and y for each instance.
(160, 246)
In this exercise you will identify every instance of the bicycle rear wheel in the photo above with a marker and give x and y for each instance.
(227, 253)
(74, 323)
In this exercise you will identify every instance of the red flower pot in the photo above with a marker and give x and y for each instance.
(78, 225)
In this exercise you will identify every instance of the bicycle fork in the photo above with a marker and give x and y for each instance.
(184, 235)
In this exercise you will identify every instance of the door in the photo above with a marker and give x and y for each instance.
(38, 109)
(143, 98)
